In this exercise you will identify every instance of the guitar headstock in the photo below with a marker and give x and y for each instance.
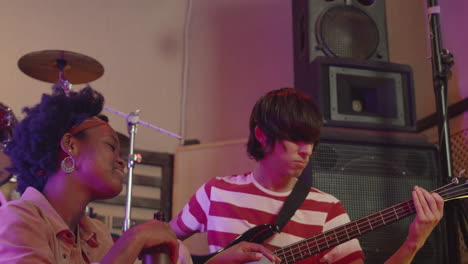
(457, 189)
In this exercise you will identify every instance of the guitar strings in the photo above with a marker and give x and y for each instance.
(408, 210)
(369, 223)
(332, 237)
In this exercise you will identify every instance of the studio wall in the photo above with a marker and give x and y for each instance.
(236, 51)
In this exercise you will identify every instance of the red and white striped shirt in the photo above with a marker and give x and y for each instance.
(226, 207)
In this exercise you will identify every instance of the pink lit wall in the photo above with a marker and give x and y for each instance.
(454, 22)
(241, 49)
(237, 51)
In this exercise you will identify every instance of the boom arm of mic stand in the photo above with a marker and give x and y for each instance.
(144, 123)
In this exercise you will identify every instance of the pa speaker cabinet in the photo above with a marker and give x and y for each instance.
(369, 172)
(351, 28)
(360, 94)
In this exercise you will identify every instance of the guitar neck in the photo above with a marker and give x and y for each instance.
(333, 237)
(293, 253)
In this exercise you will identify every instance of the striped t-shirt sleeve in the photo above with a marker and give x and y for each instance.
(193, 217)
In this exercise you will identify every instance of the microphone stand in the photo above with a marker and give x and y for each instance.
(158, 254)
(132, 125)
(151, 255)
(442, 61)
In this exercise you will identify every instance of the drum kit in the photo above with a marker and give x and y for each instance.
(63, 69)
(59, 67)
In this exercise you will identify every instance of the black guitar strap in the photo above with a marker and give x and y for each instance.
(294, 200)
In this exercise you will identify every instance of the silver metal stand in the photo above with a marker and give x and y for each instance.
(132, 125)
(133, 120)
(158, 254)
(62, 83)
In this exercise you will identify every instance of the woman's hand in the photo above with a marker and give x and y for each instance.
(144, 236)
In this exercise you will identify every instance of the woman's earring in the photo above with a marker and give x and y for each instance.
(68, 164)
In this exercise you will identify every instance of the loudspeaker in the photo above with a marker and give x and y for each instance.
(360, 94)
(345, 28)
(368, 172)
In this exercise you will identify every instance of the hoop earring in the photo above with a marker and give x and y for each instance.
(68, 164)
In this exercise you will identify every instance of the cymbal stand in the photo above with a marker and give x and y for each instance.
(62, 83)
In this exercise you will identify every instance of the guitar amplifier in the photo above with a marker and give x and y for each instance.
(370, 171)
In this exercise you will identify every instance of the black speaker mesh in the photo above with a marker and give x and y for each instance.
(347, 31)
(368, 178)
(459, 148)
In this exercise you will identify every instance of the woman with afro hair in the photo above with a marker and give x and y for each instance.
(65, 157)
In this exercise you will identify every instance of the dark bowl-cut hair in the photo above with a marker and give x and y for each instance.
(35, 146)
(283, 114)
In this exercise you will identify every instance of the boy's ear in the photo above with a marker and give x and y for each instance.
(260, 136)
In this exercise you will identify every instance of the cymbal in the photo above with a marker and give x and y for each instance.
(45, 66)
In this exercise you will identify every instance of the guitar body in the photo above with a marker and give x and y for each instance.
(256, 234)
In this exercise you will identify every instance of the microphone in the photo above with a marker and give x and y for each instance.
(156, 255)
(159, 254)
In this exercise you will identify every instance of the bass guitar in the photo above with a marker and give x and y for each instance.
(303, 249)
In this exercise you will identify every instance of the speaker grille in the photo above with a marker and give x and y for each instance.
(459, 148)
(368, 178)
(347, 31)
